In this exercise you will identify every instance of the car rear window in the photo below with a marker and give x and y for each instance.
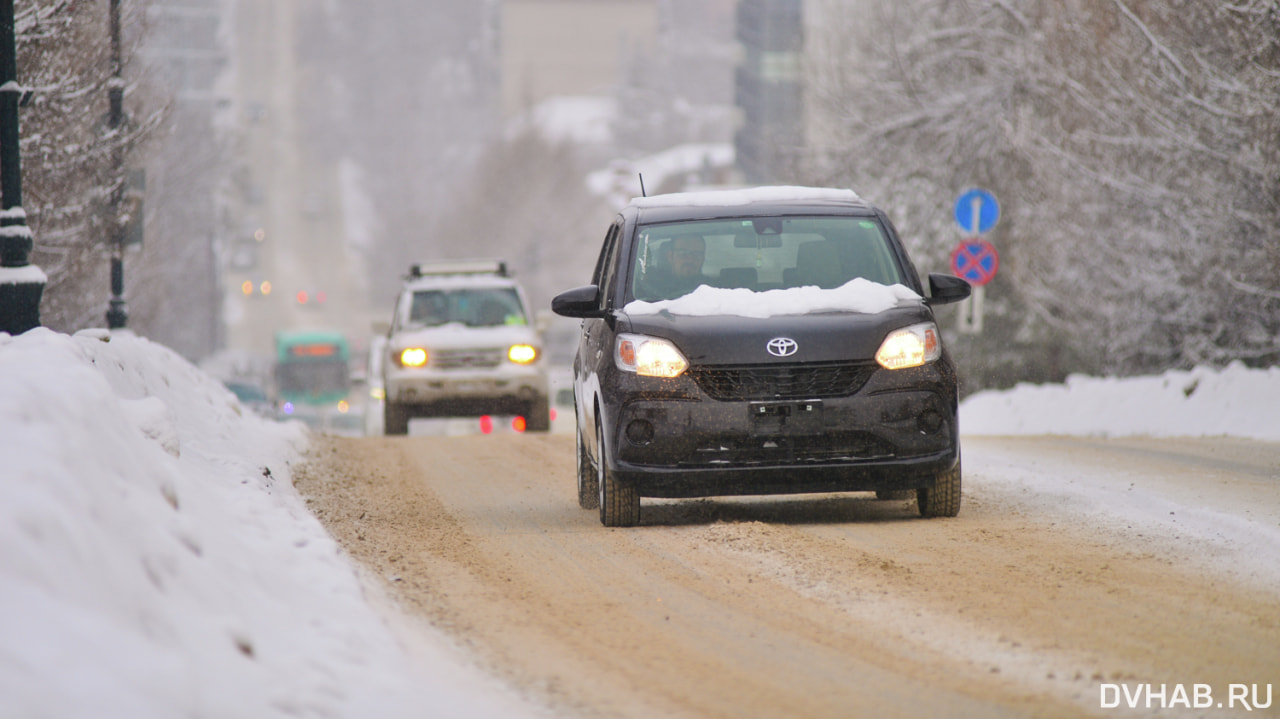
(761, 254)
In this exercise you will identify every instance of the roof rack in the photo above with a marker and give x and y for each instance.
(459, 267)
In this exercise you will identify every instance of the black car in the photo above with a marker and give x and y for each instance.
(768, 341)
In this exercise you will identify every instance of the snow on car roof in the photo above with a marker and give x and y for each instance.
(436, 282)
(714, 198)
(857, 295)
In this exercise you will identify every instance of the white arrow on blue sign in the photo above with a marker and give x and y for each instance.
(977, 211)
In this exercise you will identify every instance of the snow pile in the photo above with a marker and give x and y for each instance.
(856, 295)
(1235, 401)
(155, 560)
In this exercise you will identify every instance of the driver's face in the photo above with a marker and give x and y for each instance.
(687, 254)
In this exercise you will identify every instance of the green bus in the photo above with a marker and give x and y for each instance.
(313, 376)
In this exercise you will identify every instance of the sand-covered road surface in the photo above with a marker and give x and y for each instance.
(1074, 565)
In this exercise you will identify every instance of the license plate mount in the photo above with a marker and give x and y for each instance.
(786, 417)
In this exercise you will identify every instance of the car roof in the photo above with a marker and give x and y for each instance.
(750, 202)
(461, 281)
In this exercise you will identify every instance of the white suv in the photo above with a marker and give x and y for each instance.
(461, 344)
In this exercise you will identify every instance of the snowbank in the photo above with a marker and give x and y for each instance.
(156, 561)
(1235, 401)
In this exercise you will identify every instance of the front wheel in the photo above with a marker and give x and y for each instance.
(942, 497)
(538, 416)
(619, 502)
(395, 418)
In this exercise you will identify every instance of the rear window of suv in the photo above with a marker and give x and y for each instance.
(767, 253)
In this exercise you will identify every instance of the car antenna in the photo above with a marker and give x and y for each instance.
(642, 192)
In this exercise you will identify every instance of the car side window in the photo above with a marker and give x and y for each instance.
(606, 250)
(605, 277)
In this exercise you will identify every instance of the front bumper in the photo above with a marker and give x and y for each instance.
(510, 385)
(897, 432)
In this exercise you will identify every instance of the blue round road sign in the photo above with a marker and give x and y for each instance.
(977, 211)
(975, 261)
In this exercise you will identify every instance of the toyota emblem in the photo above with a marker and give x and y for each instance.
(782, 346)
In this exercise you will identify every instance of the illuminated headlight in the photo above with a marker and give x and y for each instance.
(910, 347)
(522, 354)
(649, 356)
(413, 357)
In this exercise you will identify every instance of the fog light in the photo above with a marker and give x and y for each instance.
(930, 422)
(640, 432)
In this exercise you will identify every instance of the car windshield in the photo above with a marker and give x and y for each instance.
(759, 254)
(485, 307)
(312, 379)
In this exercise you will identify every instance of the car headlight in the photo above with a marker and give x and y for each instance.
(522, 354)
(413, 357)
(910, 347)
(649, 356)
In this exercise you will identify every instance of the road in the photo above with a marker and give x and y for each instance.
(1074, 564)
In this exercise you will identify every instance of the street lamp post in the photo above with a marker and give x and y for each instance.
(21, 283)
(117, 312)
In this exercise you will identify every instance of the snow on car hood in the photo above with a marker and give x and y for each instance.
(857, 295)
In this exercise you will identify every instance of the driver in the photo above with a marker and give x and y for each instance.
(682, 275)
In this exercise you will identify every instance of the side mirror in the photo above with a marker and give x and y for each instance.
(583, 302)
(945, 289)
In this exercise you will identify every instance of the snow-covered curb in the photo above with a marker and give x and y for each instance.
(1235, 401)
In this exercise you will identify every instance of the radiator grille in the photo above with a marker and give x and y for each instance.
(467, 358)
(801, 381)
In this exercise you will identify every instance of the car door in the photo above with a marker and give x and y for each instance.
(596, 344)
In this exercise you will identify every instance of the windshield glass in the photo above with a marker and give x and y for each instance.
(482, 307)
(313, 380)
(671, 260)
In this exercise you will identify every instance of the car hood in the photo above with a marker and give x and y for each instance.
(818, 337)
(458, 336)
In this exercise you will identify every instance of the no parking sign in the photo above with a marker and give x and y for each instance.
(976, 261)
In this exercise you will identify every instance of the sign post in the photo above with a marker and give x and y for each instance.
(975, 259)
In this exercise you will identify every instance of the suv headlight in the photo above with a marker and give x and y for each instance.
(649, 356)
(412, 357)
(522, 354)
(910, 347)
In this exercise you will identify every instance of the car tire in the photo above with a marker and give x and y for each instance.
(895, 494)
(538, 416)
(619, 502)
(395, 418)
(588, 483)
(942, 497)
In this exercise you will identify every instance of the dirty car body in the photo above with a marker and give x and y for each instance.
(807, 358)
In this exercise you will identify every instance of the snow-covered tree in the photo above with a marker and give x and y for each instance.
(1135, 147)
(74, 164)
